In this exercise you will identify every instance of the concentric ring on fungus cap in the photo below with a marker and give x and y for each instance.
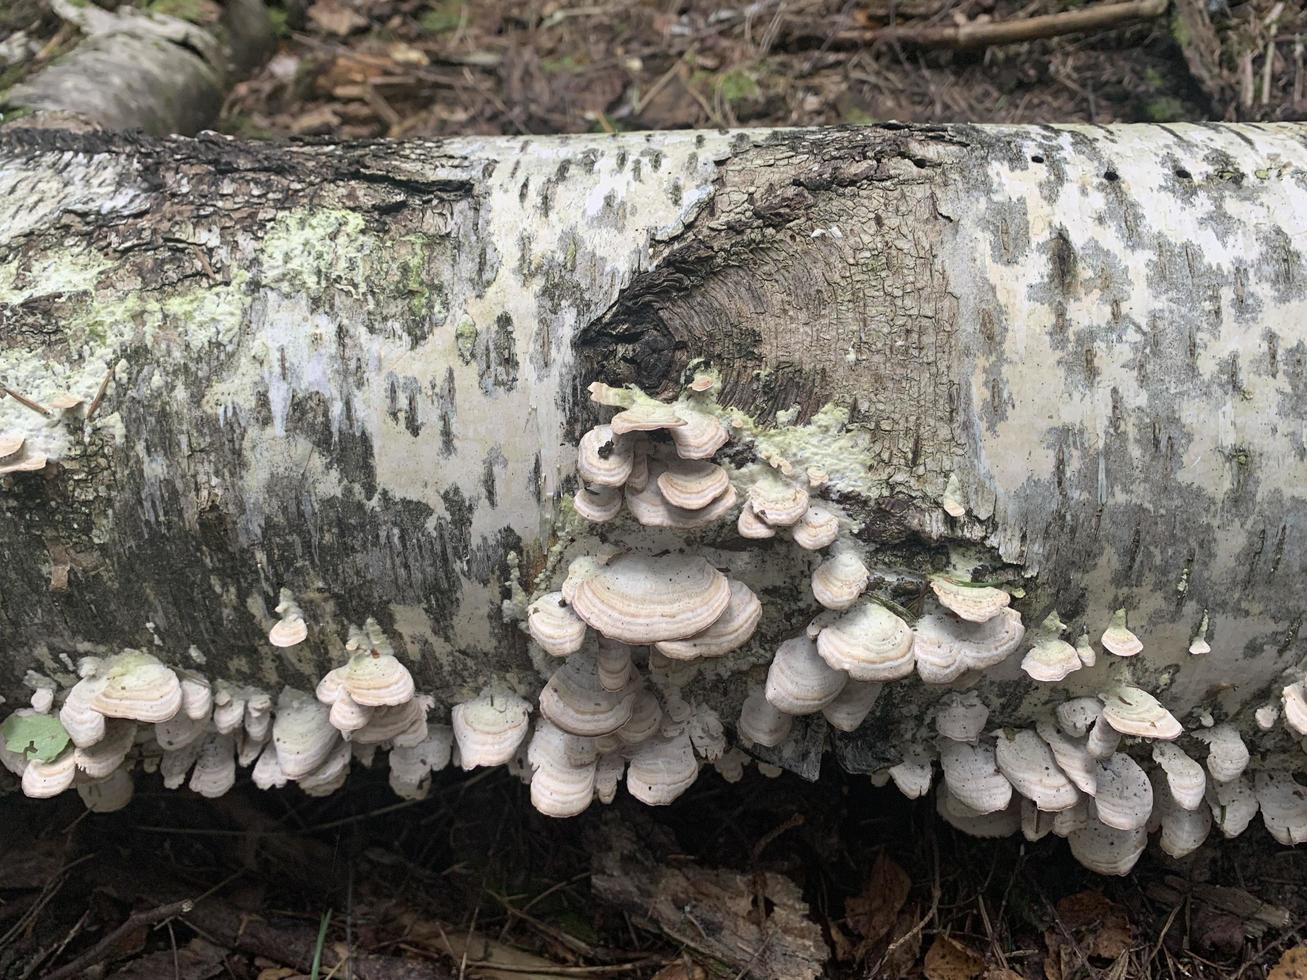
(641, 599)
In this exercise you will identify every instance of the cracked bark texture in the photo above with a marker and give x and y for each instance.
(357, 370)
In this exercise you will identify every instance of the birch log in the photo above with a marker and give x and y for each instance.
(359, 371)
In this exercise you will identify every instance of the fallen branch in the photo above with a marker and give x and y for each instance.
(980, 34)
(99, 953)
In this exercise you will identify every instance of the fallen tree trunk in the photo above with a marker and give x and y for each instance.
(359, 371)
(138, 69)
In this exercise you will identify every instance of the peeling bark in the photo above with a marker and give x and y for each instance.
(357, 370)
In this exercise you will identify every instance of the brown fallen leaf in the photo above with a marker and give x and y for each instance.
(1001, 975)
(1099, 924)
(948, 959)
(681, 971)
(872, 913)
(1292, 965)
(336, 18)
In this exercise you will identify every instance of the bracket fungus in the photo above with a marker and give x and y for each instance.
(641, 599)
(1028, 764)
(1107, 850)
(604, 458)
(1134, 712)
(554, 626)
(947, 647)
(1051, 658)
(646, 415)
(1227, 755)
(778, 502)
(1118, 639)
(974, 602)
(16, 456)
(1125, 796)
(817, 529)
(868, 642)
(661, 769)
(597, 504)
(852, 705)
(799, 680)
(1071, 756)
(488, 729)
(961, 717)
(1283, 803)
(1233, 804)
(761, 722)
(972, 776)
(839, 580)
(1002, 822)
(692, 484)
(728, 632)
(751, 526)
(914, 774)
(576, 701)
(1077, 715)
(1185, 779)
(1294, 699)
(562, 771)
(290, 630)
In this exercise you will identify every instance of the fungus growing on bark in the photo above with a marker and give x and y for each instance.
(728, 632)
(1185, 778)
(1284, 806)
(603, 458)
(616, 672)
(700, 436)
(1227, 755)
(1134, 712)
(598, 504)
(267, 772)
(1071, 756)
(1125, 796)
(489, 728)
(961, 717)
(692, 484)
(1294, 698)
(1002, 822)
(646, 717)
(16, 456)
(411, 766)
(817, 529)
(954, 502)
(972, 776)
(799, 680)
(576, 701)
(1182, 830)
(661, 769)
(652, 509)
(1118, 639)
(302, 734)
(215, 767)
(1028, 764)
(1233, 804)
(761, 722)
(331, 775)
(291, 629)
(946, 648)
(562, 771)
(839, 580)
(976, 603)
(641, 599)
(554, 626)
(1107, 850)
(778, 502)
(106, 755)
(1051, 658)
(914, 774)
(402, 724)
(1103, 739)
(751, 526)
(1267, 715)
(197, 695)
(1085, 650)
(107, 794)
(43, 780)
(647, 416)
(868, 642)
(852, 705)
(1077, 715)
(138, 687)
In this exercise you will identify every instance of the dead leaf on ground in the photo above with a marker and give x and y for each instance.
(872, 913)
(681, 971)
(1098, 923)
(1292, 965)
(1001, 975)
(948, 959)
(336, 18)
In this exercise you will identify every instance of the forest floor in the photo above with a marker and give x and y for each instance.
(769, 878)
